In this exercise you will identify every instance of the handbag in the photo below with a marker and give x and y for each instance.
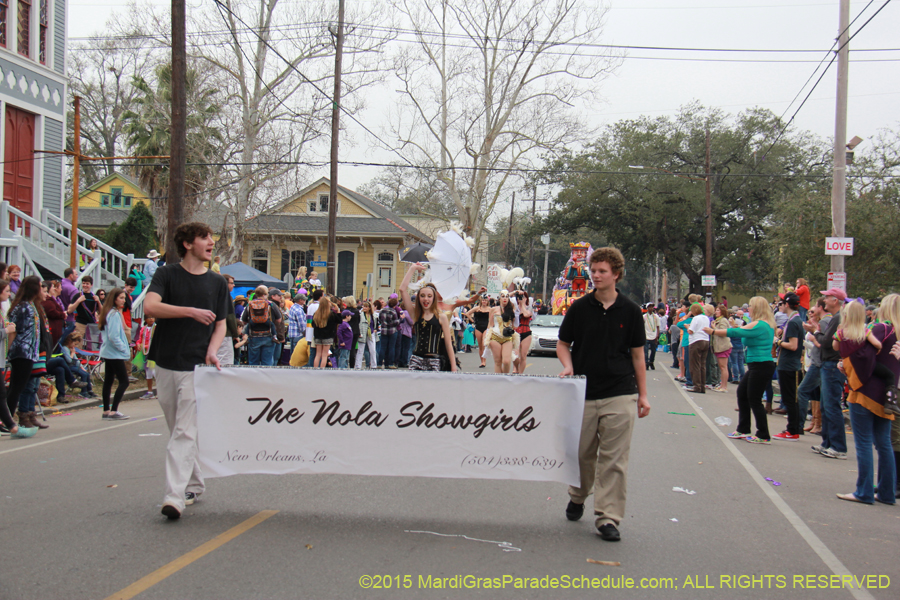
(445, 362)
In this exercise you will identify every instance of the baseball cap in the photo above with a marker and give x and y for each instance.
(346, 313)
(836, 293)
(792, 299)
(274, 291)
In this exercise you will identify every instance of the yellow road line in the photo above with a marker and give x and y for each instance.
(197, 553)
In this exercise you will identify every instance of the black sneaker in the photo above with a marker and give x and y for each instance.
(171, 512)
(608, 532)
(4, 430)
(189, 498)
(574, 511)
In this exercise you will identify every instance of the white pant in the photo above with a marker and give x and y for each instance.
(225, 353)
(361, 352)
(175, 390)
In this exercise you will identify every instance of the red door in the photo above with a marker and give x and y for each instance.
(18, 165)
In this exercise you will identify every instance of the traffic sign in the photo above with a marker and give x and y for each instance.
(493, 278)
(708, 280)
(837, 280)
(318, 264)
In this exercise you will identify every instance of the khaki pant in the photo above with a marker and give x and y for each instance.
(603, 455)
(175, 390)
(80, 329)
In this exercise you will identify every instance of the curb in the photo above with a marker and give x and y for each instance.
(90, 402)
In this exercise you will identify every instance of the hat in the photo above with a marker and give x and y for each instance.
(871, 307)
(835, 293)
(346, 314)
(393, 296)
(274, 291)
(792, 299)
(240, 298)
(153, 254)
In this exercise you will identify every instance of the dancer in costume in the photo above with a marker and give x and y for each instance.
(504, 341)
(481, 315)
(433, 337)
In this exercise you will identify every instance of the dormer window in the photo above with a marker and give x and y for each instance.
(323, 202)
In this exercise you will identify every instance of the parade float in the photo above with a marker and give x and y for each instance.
(573, 279)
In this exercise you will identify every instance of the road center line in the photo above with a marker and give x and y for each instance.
(197, 553)
(818, 546)
(75, 435)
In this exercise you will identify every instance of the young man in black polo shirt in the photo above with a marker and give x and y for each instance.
(602, 338)
(190, 304)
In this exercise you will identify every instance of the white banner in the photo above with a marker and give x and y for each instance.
(401, 423)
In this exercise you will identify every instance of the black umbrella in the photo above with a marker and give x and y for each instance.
(415, 253)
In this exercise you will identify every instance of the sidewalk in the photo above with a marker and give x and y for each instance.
(130, 394)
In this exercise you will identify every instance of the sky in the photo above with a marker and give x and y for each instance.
(657, 82)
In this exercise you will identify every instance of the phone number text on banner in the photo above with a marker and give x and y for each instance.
(400, 423)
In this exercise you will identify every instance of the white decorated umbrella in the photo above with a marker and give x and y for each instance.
(450, 261)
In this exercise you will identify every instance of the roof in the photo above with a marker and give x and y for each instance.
(98, 217)
(245, 275)
(383, 220)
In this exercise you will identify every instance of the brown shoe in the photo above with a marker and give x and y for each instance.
(35, 422)
(768, 408)
(779, 411)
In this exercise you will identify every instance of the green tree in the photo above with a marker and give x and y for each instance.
(642, 186)
(137, 233)
(148, 134)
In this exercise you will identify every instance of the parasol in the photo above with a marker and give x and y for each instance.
(450, 261)
(415, 253)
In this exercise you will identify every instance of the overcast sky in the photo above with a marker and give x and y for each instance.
(653, 82)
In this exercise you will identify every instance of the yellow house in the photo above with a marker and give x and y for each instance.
(294, 233)
(107, 201)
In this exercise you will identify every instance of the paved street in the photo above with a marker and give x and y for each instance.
(81, 521)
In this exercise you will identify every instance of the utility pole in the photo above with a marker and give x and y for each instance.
(512, 208)
(530, 268)
(177, 151)
(839, 177)
(546, 241)
(709, 257)
(335, 128)
(76, 133)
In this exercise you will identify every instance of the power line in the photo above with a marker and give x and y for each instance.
(825, 70)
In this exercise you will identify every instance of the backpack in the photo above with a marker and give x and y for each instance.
(259, 311)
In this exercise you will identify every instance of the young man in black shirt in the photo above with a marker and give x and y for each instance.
(190, 305)
(86, 307)
(602, 338)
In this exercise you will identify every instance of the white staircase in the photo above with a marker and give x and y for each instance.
(45, 242)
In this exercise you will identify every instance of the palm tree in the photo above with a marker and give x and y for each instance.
(147, 133)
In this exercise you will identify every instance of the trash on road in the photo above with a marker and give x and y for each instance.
(149, 434)
(115, 485)
(722, 421)
(607, 563)
(309, 546)
(680, 489)
(674, 520)
(684, 414)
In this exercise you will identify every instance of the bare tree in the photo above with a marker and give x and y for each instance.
(101, 72)
(488, 85)
(276, 60)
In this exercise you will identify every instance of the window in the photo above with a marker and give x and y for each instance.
(42, 32)
(384, 276)
(116, 194)
(4, 11)
(260, 260)
(291, 260)
(323, 203)
(312, 206)
(126, 201)
(25, 27)
(386, 256)
(104, 200)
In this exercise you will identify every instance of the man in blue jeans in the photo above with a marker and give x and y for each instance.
(834, 438)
